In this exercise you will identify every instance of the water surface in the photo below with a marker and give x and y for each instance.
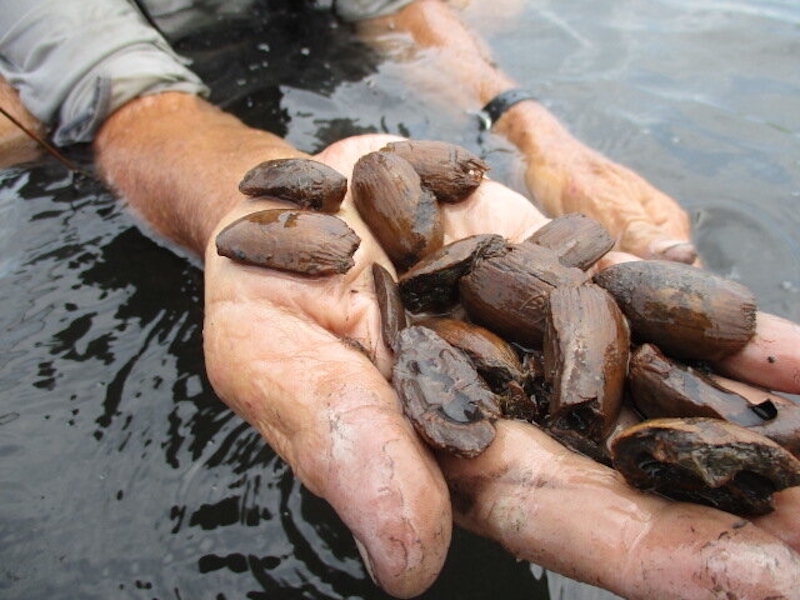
(123, 476)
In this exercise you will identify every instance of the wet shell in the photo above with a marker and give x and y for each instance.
(781, 415)
(493, 357)
(431, 285)
(402, 215)
(390, 305)
(586, 347)
(308, 183)
(451, 172)
(579, 241)
(661, 387)
(442, 394)
(685, 311)
(509, 293)
(294, 240)
(708, 461)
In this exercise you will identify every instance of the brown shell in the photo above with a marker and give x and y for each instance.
(390, 305)
(451, 172)
(578, 240)
(402, 215)
(442, 394)
(586, 347)
(708, 461)
(308, 183)
(493, 357)
(295, 240)
(662, 387)
(685, 311)
(781, 414)
(509, 293)
(431, 285)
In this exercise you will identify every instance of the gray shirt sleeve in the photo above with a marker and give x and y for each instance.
(75, 62)
(353, 10)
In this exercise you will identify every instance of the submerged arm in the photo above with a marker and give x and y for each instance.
(445, 57)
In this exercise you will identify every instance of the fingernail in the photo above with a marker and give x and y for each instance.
(362, 550)
(677, 251)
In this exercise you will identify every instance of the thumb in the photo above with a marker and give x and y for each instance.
(324, 407)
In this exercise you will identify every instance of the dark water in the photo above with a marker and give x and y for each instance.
(123, 476)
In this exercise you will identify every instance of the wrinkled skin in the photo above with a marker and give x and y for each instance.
(277, 353)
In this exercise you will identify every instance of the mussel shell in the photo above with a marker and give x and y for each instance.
(578, 240)
(390, 305)
(493, 357)
(295, 240)
(442, 394)
(586, 347)
(708, 461)
(662, 387)
(402, 215)
(303, 181)
(451, 172)
(508, 293)
(431, 285)
(685, 311)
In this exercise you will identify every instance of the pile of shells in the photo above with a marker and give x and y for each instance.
(613, 364)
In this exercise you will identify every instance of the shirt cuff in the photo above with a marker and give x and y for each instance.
(131, 72)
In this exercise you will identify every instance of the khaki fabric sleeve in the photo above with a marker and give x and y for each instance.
(76, 61)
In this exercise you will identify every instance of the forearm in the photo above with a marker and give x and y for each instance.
(178, 161)
(458, 67)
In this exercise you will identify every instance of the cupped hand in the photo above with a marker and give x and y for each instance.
(303, 361)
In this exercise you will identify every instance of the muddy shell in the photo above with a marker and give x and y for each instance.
(662, 387)
(308, 183)
(390, 305)
(295, 240)
(509, 293)
(579, 241)
(586, 347)
(685, 311)
(402, 215)
(442, 394)
(781, 415)
(451, 172)
(493, 357)
(431, 285)
(708, 461)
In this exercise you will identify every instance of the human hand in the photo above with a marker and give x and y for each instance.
(280, 351)
(565, 176)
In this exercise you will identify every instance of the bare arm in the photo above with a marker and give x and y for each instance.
(178, 160)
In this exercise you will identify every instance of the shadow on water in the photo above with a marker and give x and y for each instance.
(124, 476)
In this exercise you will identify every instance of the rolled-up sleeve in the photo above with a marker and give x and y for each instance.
(74, 62)
(354, 10)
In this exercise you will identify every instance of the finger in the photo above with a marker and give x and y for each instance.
(567, 513)
(772, 357)
(333, 417)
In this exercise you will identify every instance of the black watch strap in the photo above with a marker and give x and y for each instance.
(498, 105)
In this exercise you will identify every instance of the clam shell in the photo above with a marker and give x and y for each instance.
(402, 215)
(451, 172)
(295, 240)
(708, 461)
(431, 285)
(578, 240)
(508, 293)
(308, 183)
(685, 311)
(586, 347)
(442, 394)
(390, 305)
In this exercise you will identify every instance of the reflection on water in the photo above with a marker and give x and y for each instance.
(123, 476)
